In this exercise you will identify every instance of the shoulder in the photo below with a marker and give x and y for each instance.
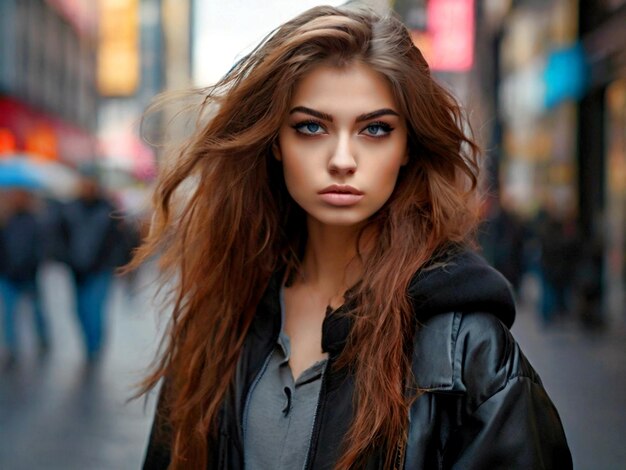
(461, 281)
(469, 353)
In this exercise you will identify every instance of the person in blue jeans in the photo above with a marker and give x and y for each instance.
(91, 237)
(21, 252)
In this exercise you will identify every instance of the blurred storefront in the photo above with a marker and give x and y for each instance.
(48, 98)
(538, 57)
(615, 193)
(602, 141)
(562, 67)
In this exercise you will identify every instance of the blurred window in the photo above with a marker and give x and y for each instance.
(22, 49)
(8, 46)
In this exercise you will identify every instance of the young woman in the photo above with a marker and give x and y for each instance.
(328, 312)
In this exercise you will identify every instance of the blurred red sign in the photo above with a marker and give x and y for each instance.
(450, 25)
(45, 134)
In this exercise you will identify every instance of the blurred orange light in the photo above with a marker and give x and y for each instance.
(7, 142)
(42, 143)
(118, 47)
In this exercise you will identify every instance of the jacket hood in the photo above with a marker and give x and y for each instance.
(462, 282)
(459, 281)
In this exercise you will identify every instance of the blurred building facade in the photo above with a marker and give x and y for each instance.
(77, 75)
(602, 142)
(144, 49)
(48, 96)
(62, 62)
(131, 71)
(559, 74)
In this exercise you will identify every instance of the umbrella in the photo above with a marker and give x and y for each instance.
(51, 178)
(17, 176)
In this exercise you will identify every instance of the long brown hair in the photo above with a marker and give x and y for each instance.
(238, 225)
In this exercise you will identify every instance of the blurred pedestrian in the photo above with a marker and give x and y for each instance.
(90, 237)
(588, 280)
(502, 237)
(129, 228)
(21, 253)
(328, 312)
(558, 238)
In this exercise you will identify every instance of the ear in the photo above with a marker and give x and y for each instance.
(276, 151)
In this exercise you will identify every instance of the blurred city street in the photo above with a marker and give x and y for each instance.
(57, 414)
(543, 86)
(584, 372)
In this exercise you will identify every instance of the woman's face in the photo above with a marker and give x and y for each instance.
(342, 144)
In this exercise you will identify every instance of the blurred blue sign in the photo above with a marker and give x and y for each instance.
(566, 75)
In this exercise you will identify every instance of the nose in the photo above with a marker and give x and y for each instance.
(343, 159)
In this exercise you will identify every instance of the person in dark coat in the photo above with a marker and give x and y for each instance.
(21, 253)
(558, 239)
(328, 311)
(90, 237)
(502, 237)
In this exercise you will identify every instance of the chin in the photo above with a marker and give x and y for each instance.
(340, 219)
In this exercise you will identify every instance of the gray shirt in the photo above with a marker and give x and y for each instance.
(279, 413)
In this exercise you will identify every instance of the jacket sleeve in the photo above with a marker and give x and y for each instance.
(158, 451)
(517, 428)
(509, 421)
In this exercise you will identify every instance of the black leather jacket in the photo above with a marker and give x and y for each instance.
(484, 405)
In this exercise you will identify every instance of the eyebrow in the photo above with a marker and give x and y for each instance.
(328, 117)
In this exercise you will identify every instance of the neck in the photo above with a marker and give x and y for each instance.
(330, 264)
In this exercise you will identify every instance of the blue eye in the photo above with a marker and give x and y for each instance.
(378, 129)
(309, 128)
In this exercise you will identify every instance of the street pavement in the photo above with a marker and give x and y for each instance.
(584, 372)
(56, 413)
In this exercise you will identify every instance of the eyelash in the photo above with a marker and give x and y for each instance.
(385, 127)
(302, 124)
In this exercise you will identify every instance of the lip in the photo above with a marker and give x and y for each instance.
(341, 189)
(341, 195)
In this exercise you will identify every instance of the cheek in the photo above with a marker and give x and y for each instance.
(298, 161)
(385, 172)
(295, 169)
(297, 174)
(387, 178)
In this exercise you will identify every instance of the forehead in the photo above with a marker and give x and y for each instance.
(354, 87)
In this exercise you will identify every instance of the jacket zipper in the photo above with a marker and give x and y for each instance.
(247, 405)
(315, 427)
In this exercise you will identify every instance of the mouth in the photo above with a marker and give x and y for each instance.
(340, 195)
(341, 189)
